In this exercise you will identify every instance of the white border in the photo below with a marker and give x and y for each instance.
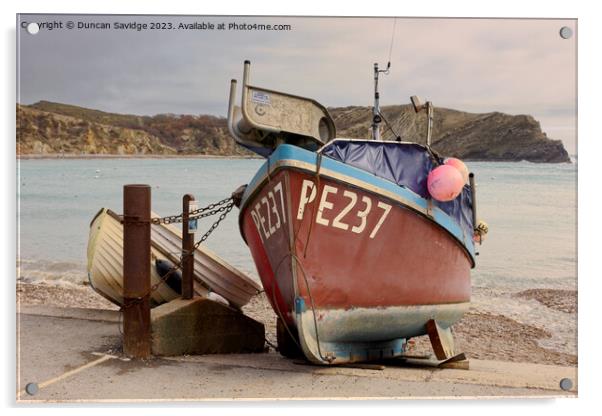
(588, 151)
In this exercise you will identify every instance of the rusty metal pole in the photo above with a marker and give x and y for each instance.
(136, 270)
(187, 247)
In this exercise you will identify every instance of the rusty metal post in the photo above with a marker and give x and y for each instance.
(136, 270)
(187, 247)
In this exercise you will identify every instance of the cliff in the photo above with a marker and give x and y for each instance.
(470, 136)
(53, 128)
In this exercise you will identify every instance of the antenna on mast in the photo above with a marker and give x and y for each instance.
(376, 116)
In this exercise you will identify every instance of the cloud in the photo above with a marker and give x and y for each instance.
(510, 65)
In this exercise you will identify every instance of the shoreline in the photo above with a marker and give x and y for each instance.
(71, 156)
(481, 335)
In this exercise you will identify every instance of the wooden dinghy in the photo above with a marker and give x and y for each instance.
(212, 275)
(212, 271)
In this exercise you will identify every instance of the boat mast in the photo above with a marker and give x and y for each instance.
(375, 109)
(430, 114)
(376, 117)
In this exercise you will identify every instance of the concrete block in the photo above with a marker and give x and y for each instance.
(203, 326)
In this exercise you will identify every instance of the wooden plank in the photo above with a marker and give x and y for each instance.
(458, 365)
(365, 366)
(442, 340)
(458, 362)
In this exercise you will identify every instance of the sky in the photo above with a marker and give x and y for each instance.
(515, 66)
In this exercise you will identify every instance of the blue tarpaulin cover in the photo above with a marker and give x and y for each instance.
(406, 164)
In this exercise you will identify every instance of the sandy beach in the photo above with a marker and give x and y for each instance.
(479, 335)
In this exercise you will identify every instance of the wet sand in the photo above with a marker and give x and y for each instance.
(479, 335)
(560, 300)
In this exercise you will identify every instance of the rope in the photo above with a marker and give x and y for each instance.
(267, 341)
(268, 170)
(392, 38)
(312, 217)
(316, 204)
(397, 136)
(278, 312)
(311, 299)
(313, 310)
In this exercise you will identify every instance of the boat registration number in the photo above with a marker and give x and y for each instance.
(340, 218)
(352, 215)
(268, 214)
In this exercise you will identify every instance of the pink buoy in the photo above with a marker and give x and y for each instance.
(445, 183)
(458, 164)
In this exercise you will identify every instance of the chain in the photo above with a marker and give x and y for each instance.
(224, 212)
(207, 211)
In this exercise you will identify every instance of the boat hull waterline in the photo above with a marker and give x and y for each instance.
(352, 265)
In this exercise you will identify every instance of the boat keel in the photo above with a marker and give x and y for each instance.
(357, 335)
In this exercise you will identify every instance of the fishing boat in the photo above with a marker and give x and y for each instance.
(214, 278)
(354, 254)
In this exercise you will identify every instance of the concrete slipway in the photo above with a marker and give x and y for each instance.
(73, 356)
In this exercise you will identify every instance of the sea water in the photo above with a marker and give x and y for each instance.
(530, 209)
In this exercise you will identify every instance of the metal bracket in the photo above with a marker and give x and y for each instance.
(299, 305)
(429, 208)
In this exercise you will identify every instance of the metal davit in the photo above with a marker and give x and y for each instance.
(268, 118)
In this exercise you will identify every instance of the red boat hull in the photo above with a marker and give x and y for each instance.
(344, 265)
